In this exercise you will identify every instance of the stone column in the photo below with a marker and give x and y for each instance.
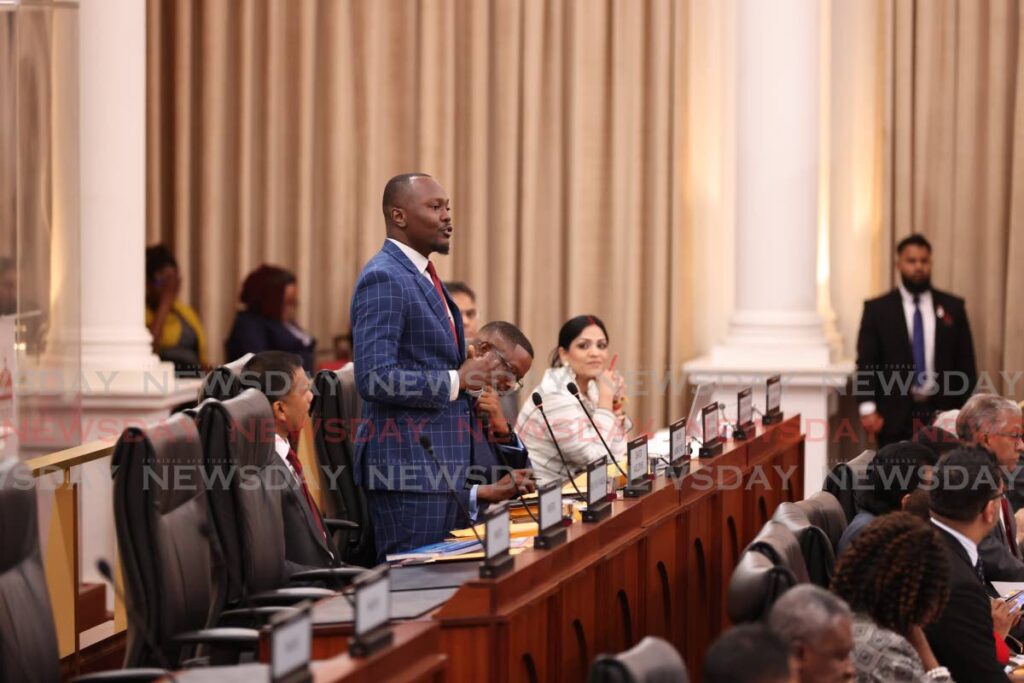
(775, 326)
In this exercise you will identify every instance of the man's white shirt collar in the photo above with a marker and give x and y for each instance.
(418, 259)
(970, 546)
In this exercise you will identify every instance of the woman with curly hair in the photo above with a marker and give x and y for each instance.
(895, 577)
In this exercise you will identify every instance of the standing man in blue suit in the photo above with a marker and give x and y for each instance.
(415, 377)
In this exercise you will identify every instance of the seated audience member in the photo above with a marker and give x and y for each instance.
(341, 348)
(817, 628)
(516, 354)
(937, 440)
(748, 653)
(268, 321)
(465, 300)
(581, 357)
(893, 474)
(993, 424)
(895, 578)
(282, 380)
(178, 335)
(965, 497)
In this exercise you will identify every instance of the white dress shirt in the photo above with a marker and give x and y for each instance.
(970, 546)
(579, 443)
(421, 261)
(927, 307)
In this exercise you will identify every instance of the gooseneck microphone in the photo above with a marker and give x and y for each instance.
(485, 421)
(103, 567)
(575, 391)
(429, 449)
(538, 401)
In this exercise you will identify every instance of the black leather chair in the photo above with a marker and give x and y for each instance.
(336, 405)
(652, 660)
(755, 585)
(168, 556)
(841, 481)
(824, 511)
(815, 546)
(28, 640)
(245, 498)
(224, 381)
(770, 565)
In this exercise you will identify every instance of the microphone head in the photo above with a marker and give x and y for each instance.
(573, 389)
(425, 442)
(103, 567)
(537, 399)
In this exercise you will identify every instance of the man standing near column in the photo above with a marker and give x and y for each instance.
(413, 374)
(915, 354)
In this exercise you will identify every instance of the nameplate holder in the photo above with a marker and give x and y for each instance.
(773, 401)
(551, 529)
(712, 445)
(598, 506)
(744, 415)
(497, 543)
(372, 602)
(678, 449)
(637, 463)
(291, 645)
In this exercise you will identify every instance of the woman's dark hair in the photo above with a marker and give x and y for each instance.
(573, 328)
(158, 256)
(895, 571)
(263, 291)
(893, 473)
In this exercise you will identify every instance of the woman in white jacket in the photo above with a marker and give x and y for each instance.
(581, 357)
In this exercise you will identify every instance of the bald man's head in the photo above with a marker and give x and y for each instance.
(396, 193)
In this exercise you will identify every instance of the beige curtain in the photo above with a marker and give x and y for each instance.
(956, 162)
(557, 127)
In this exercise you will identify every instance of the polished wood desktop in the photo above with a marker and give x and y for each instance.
(659, 565)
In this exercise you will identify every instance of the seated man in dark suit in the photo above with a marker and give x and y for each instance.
(993, 424)
(282, 379)
(964, 508)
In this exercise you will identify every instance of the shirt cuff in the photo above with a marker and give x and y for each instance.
(867, 408)
(454, 392)
(474, 509)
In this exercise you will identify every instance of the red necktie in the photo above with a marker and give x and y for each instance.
(293, 460)
(1010, 540)
(440, 293)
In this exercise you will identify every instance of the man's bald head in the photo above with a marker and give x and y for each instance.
(396, 192)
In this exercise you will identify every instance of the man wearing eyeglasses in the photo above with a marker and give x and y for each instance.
(994, 424)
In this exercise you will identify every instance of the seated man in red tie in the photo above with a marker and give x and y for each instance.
(282, 379)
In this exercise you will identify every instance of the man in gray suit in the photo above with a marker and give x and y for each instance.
(993, 424)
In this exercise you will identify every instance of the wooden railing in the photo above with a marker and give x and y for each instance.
(63, 544)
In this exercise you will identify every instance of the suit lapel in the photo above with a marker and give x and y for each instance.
(433, 301)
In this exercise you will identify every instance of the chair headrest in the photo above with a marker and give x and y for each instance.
(652, 660)
(249, 425)
(859, 465)
(825, 512)
(18, 525)
(176, 462)
(224, 382)
(755, 584)
(780, 544)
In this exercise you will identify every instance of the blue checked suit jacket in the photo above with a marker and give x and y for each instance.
(403, 352)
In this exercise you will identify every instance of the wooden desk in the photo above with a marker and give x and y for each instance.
(659, 565)
(414, 657)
